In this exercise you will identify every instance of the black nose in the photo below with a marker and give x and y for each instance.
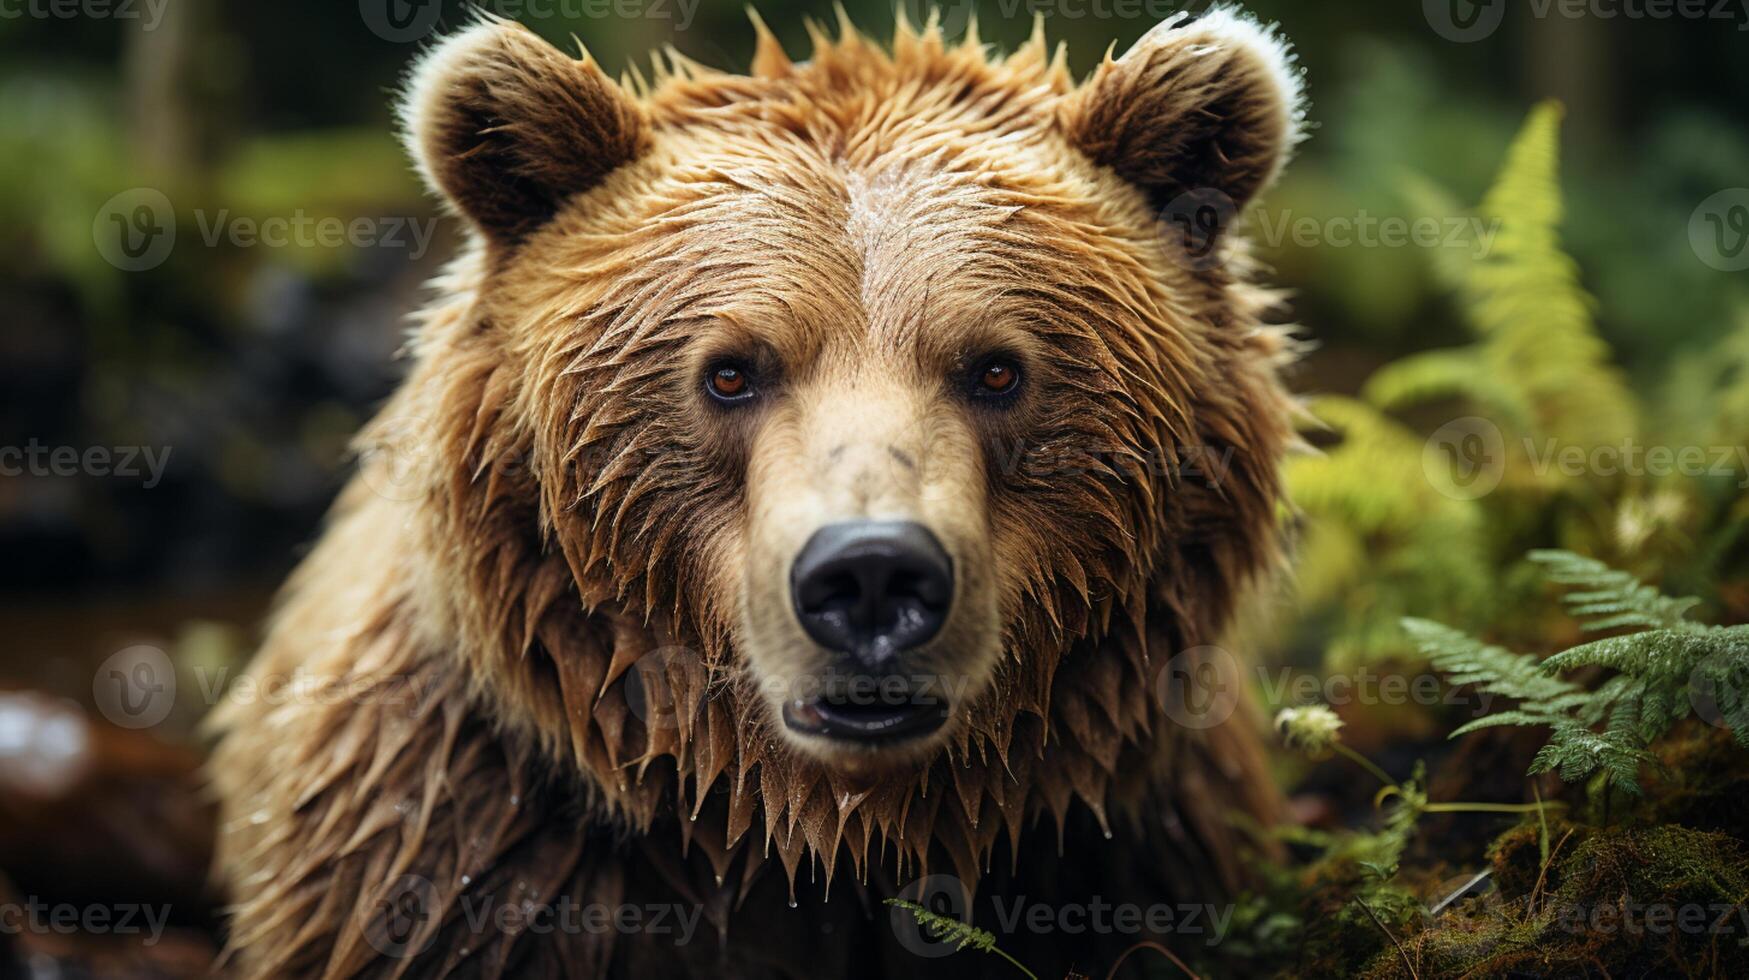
(872, 589)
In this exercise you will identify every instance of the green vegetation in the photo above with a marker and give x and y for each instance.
(951, 930)
(1643, 710)
(1660, 673)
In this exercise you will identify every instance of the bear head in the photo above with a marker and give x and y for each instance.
(848, 421)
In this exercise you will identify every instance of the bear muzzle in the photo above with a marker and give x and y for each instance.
(869, 591)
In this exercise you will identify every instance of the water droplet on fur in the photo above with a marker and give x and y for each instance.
(467, 879)
(515, 800)
(1108, 835)
(792, 903)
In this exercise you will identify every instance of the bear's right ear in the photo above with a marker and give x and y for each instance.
(1196, 106)
(506, 127)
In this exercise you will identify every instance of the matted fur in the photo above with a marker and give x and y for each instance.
(527, 598)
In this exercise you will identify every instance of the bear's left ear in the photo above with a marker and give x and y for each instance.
(1212, 104)
(507, 127)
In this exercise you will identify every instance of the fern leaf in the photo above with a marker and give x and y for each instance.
(1502, 718)
(1433, 375)
(1539, 361)
(1575, 752)
(1666, 672)
(1492, 669)
(1654, 652)
(961, 934)
(947, 928)
(1612, 599)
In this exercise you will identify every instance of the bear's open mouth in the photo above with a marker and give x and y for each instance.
(838, 716)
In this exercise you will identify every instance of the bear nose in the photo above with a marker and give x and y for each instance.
(872, 589)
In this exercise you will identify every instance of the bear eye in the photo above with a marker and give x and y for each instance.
(996, 377)
(729, 383)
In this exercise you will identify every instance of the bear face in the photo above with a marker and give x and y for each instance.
(853, 456)
(873, 390)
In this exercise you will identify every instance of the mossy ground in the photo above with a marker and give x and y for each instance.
(1618, 887)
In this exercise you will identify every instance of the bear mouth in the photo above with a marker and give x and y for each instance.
(876, 721)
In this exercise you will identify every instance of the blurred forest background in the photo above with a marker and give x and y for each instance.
(252, 364)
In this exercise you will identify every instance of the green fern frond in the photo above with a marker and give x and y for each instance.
(1657, 652)
(1540, 364)
(1500, 719)
(951, 930)
(1493, 670)
(1612, 599)
(1381, 541)
(1663, 673)
(1372, 481)
(946, 928)
(1575, 753)
(1378, 854)
(1438, 374)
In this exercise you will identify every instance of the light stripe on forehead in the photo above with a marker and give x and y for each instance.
(914, 228)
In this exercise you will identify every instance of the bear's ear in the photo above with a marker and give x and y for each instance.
(506, 127)
(1212, 104)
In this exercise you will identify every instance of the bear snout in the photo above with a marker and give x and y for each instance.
(869, 592)
(872, 590)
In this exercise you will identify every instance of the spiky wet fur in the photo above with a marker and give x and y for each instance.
(535, 522)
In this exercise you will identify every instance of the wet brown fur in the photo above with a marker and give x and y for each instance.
(518, 633)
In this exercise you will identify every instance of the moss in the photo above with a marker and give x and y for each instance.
(1516, 857)
(1706, 781)
(1654, 901)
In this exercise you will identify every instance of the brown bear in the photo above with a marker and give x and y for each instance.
(854, 460)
